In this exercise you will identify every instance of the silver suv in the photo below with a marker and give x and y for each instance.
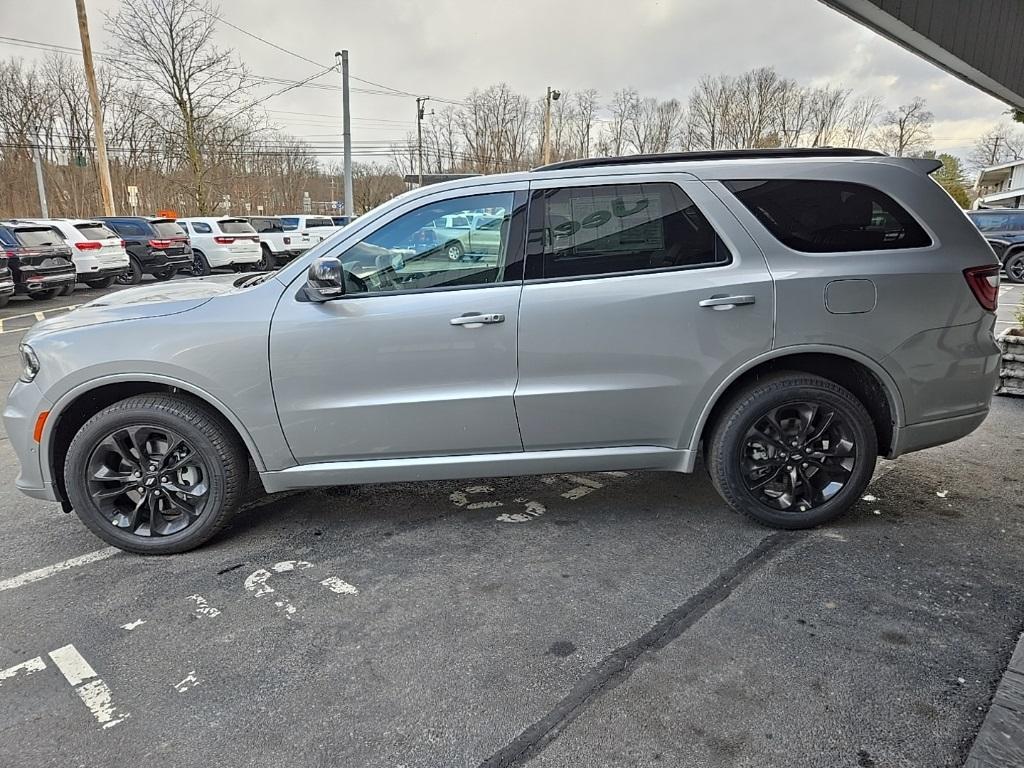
(786, 315)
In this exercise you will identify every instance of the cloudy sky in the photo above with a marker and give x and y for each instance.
(445, 48)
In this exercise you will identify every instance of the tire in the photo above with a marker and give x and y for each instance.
(1014, 267)
(4, 300)
(266, 262)
(738, 461)
(454, 250)
(46, 295)
(216, 463)
(66, 290)
(165, 274)
(134, 274)
(200, 266)
(103, 282)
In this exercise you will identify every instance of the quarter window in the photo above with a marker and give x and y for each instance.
(201, 228)
(414, 253)
(617, 228)
(829, 216)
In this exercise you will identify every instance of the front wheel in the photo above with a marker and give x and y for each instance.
(1014, 267)
(792, 450)
(155, 474)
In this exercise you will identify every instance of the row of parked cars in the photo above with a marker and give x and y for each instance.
(44, 258)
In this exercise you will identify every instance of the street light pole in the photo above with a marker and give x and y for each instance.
(346, 132)
(40, 186)
(420, 101)
(553, 95)
(106, 188)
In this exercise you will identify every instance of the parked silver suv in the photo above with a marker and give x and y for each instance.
(789, 315)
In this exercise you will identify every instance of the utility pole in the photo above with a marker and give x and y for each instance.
(346, 132)
(106, 188)
(420, 101)
(995, 150)
(37, 160)
(553, 95)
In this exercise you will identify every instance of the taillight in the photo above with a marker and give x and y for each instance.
(89, 245)
(984, 283)
(224, 240)
(124, 243)
(160, 244)
(255, 239)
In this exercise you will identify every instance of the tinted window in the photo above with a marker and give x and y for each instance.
(201, 227)
(236, 227)
(266, 225)
(168, 229)
(290, 223)
(95, 231)
(341, 221)
(7, 237)
(998, 221)
(829, 216)
(604, 230)
(409, 253)
(130, 228)
(36, 236)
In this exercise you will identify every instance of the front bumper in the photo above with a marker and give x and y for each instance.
(6, 286)
(24, 404)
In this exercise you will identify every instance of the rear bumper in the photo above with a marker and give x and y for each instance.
(46, 282)
(927, 434)
(100, 273)
(159, 261)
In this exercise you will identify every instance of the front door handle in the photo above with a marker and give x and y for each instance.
(725, 302)
(476, 319)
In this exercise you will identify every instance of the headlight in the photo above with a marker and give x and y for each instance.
(29, 362)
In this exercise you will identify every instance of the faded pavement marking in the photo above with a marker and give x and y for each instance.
(257, 583)
(91, 689)
(26, 668)
(44, 573)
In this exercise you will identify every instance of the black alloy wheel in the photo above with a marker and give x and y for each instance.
(1014, 267)
(133, 275)
(798, 456)
(148, 480)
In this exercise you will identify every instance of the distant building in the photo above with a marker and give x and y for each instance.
(1000, 186)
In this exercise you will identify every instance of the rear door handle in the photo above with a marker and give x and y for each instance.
(725, 302)
(476, 319)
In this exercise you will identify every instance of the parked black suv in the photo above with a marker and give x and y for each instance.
(1004, 230)
(39, 259)
(158, 247)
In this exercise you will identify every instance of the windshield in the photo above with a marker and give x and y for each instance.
(236, 227)
(168, 229)
(95, 231)
(39, 236)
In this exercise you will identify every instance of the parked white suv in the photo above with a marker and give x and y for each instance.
(321, 227)
(221, 241)
(279, 246)
(97, 251)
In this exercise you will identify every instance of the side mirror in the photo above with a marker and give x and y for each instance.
(325, 279)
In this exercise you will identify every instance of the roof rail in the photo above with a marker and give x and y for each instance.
(715, 154)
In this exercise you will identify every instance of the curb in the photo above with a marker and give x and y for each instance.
(1000, 742)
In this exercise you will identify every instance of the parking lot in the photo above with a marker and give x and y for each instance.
(599, 619)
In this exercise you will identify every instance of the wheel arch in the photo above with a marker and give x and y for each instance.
(71, 411)
(864, 377)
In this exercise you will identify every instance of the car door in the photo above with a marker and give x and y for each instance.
(418, 358)
(641, 295)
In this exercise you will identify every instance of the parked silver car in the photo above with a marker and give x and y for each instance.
(787, 315)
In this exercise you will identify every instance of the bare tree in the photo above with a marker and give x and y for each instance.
(905, 130)
(827, 108)
(710, 108)
(1000, 144)
(859, 119)
(582, 121)
(167, 45)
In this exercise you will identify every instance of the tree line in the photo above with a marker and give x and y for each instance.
(184, 126)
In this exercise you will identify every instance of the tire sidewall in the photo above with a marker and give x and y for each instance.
(729, 446)
(1017, 257)
(106, 422)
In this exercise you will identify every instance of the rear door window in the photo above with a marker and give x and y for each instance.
(618, 228)
(201, 227)
(95, 231)
(236, 227)
(311, 222)
(829, 216)
(168, 229)
(289, 223)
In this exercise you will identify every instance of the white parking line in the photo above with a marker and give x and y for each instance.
(72, 664)
(41, 315)
(95, 693)
(27, 667)
(44, 573)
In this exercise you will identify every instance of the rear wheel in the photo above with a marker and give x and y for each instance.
(66, 290)
(46, 295)
(454, 250)
(200, 266)
(1014, 267)
(165, 274)
(266, 261)
(155, 474)
(792, 450)
(4, 300)
(134, 274)
(103, 282)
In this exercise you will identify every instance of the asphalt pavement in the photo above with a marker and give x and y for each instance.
(614, 619)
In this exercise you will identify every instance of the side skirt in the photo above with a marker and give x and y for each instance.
(480, 465)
